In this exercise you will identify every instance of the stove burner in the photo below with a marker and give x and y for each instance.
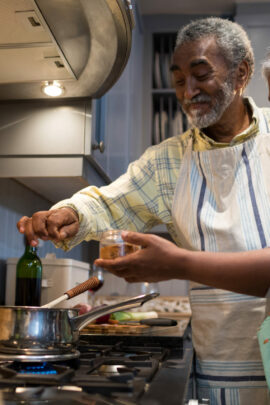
(110, 374)
(108, 370)
(34, 373)
(73, 354)
(37, 369)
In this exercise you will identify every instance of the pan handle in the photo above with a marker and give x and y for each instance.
(79, 322)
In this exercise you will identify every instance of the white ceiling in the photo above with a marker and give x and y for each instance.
(213, 7)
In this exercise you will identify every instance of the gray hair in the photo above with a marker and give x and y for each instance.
(266, 65)
(230, 37)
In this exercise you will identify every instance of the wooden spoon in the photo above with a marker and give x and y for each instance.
(90, 284)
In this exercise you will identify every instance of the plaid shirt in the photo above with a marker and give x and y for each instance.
(143, 196)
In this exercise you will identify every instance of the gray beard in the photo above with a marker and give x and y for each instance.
(221, 101)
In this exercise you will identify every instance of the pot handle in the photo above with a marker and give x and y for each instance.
(79, 322)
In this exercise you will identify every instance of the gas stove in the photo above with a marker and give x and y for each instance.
(117, 371)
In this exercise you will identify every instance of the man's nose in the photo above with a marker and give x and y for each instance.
(191, 89)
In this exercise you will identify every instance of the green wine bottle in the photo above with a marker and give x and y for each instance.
(28, 278)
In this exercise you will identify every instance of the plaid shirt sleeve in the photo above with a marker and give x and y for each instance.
(131, 202)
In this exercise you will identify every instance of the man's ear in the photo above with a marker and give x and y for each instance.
(241, 76)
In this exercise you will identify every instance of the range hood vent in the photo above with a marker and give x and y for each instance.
(84, 45)
(47, 146)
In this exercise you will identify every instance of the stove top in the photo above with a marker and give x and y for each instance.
(117, 373)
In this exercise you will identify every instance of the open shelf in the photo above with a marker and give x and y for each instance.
(167, 116)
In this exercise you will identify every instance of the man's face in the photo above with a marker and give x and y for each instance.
(204, 85)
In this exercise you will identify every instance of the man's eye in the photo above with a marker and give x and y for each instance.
(202, 77)
(179, 82)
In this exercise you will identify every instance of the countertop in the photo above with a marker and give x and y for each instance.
(175, 371)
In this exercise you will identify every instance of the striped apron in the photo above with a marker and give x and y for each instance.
(222, 204)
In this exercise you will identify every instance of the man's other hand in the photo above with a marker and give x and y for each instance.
(56, 225)
(157, 260)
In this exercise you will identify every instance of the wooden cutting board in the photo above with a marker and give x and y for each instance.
(132, 329)
(116, 329)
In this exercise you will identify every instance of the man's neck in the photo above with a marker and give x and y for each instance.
(235, 120)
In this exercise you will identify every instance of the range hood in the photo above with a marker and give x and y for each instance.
(47, 144)
(84, 45)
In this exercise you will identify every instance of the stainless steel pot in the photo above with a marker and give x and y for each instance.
(38, 331)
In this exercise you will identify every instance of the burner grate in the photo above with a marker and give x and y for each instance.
(113, 372)
(34, 374)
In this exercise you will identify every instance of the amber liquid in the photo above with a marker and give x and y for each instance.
(117, 250)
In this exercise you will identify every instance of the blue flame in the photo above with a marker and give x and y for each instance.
(40, 369)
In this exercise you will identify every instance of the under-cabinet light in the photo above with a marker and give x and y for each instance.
(52, 89)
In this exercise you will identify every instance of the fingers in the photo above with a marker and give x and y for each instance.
(55, 225)
(131, 279)
(39, 224)
(68, 231)
(21, 224)
(62, 224)
(25, 226)
(136, 238)
(109, 264)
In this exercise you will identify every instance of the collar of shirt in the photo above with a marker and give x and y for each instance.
(202, 142)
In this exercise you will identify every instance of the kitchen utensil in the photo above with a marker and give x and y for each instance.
(151, 322)
(36, 330)
(99, 274)
(91, 283)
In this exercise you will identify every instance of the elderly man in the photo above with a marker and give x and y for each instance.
(209, 186)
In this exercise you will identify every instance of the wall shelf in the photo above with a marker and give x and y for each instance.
(167, 117)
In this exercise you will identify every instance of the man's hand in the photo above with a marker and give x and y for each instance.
(156, 261)
(56, 225)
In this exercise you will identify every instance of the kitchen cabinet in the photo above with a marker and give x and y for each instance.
(168, 118)
(118, 114)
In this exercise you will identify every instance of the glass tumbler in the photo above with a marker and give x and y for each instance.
(112, 245)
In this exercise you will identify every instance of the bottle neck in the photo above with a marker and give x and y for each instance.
(31, 249)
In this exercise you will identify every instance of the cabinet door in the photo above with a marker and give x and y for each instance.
(118, 116)
(111, 114)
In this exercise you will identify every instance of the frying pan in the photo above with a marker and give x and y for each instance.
(44, 331)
